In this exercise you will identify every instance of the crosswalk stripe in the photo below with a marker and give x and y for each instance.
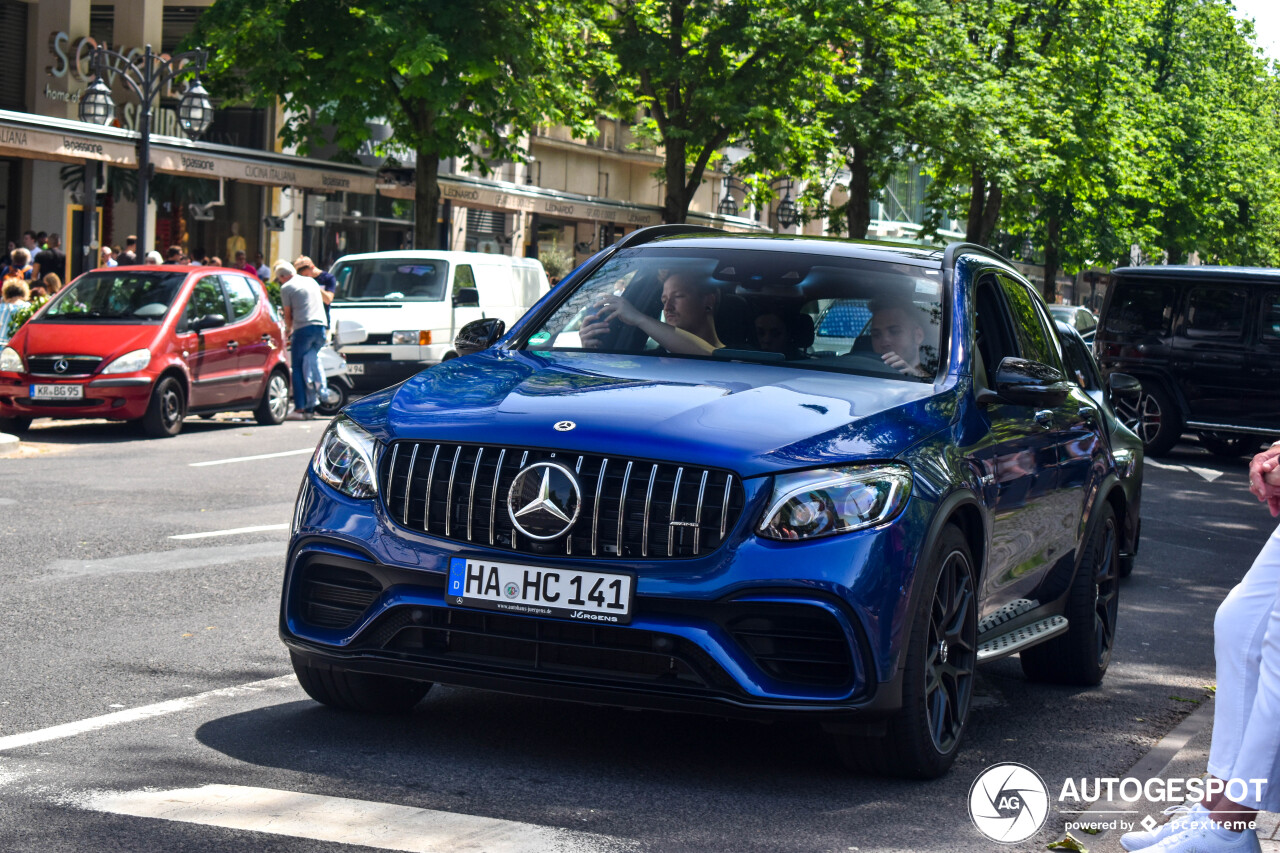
(340, 820)
(144, 712)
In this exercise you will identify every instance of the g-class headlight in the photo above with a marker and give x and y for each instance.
(827, 501)
(10, 361)
(345, 459)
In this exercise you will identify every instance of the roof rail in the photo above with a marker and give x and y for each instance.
(654, 232)
(953, 249)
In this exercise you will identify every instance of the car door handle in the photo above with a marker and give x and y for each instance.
(1044, 417)
(233, 345)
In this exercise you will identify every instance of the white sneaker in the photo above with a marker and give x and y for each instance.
(1186, 817)
(1203, 839)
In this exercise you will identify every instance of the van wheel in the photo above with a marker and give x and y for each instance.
(167, 408)
(358, 691)
(274, 404)
(1229, 445)
(922, 740)
(15, 425)
(1154, 417)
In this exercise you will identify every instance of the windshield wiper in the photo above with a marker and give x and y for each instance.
(747, 355)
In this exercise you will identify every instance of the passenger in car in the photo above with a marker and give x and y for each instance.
(897, 334)
(785, 332)
(689, 308)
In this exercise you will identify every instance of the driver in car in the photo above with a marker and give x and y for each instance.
(688, 306)
(897, 334)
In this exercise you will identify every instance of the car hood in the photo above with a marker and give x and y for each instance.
(749, 418)
(100, 339)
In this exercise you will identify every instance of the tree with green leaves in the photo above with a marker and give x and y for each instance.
(706, 74)
(463, 80)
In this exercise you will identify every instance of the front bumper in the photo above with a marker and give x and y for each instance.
(754, 629)
(115, 397)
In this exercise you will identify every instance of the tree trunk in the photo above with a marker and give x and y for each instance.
(426, 203)
(676, 205)
(1052, 258)
(991, 213)
(859, 195)
(977, 198)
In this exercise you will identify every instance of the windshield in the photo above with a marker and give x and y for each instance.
(810, 312)
(131, 296)
(388, 279)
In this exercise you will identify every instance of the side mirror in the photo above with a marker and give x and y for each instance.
(1030, 383)
(478, 335)
(208, 321)
(1122, 386)
(466, 297)
(349, 332)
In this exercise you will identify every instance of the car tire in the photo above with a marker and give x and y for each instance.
(1154, 417)
(1081, 655)
(15, 425)
(358, 691)
(274, 405)
(1230, 445)
(166, 410)
(328, 410)
(921, 741)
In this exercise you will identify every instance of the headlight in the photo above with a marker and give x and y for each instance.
(827, 501)
(130, 362)
(345, 457)
(421, 337)
(10, 360)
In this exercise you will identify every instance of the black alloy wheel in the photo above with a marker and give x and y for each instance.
(1106, 590)
(1154, 418)
(952, 652)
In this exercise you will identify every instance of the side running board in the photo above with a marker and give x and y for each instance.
(1014, 627)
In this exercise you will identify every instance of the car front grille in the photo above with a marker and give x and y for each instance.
(545, 647)
(630, 508)
(77, 365)
(795, 643)
(335, 597)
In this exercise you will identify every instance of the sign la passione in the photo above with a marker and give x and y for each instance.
(72, 62)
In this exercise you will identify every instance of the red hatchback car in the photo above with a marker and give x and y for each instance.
(149, 344)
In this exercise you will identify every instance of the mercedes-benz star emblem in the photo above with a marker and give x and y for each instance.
(564, 426)
(60, 366)
(544, 500)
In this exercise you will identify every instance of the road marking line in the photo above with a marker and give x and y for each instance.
(231, 532)
(145, 712)
(200, 557)
(1207, 474)
(253, 458)
(340, 820)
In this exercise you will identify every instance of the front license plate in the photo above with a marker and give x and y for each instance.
(533, 591)
(355, 369)
(57, 392)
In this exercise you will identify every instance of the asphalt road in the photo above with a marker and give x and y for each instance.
(103, 612)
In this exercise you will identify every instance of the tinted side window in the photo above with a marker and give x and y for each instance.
(1269, 316)
(1216, 313)
(242, 295)
(1140, 308)
(1085, 322)
(463, 277)
(1033, 338)
(206, 298)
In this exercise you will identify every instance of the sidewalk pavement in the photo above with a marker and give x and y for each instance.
(9, 445)
(1188, 762)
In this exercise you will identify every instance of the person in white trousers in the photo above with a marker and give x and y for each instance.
(1244, 756)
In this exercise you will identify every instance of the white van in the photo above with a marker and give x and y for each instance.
(412, 303)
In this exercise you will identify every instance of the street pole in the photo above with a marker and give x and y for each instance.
(145, 238)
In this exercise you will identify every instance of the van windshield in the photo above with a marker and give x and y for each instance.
(391, 280)
(128, 296)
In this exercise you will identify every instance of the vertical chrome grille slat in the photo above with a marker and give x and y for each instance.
(724, 510)
(493, 501)
(648, 499)
(426, 500)
(391, 479)
(471, 499)
(697, 513)
(524, 457)
(568, 540)
(595, 513)
(622, 504)
(448, 496)
(408, 483)
(671, 530)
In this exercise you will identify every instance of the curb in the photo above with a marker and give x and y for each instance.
(9, 445)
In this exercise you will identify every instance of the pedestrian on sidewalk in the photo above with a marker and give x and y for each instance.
(305, 328)
(15, 296)
(1244, 755)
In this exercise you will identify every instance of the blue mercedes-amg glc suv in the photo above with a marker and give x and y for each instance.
(771, 477)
